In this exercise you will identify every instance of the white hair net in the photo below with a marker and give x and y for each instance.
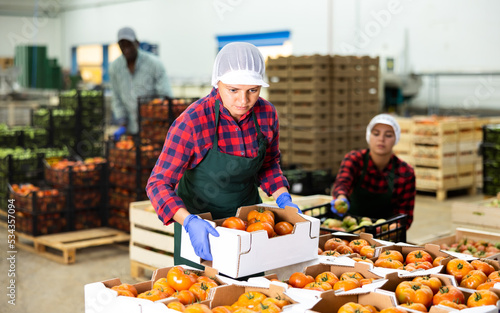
(383, 119)
(239, 63)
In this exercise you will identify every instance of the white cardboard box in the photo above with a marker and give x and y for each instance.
(239, 253)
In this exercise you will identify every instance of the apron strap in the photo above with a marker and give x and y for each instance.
(390, 177)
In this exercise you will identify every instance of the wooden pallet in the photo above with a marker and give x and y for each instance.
(442, 193)
(62, 247)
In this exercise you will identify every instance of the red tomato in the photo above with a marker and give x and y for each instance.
(234, 222)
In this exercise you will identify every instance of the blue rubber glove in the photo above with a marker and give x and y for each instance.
(286, 200)
(198, 230)
(121, 130)
(334, 210)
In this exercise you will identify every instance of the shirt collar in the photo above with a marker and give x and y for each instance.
(373, 169)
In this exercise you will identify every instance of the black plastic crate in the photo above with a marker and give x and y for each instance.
(41, 201)
(491, 134)
(41, 118)
(491, 152)
(41, 224)
(392, 229)
(119, 219)
(308, 183)
(10, 138)
(87, 219)
(69, 174)
(122, 154)
(33, 138)
(19, 164)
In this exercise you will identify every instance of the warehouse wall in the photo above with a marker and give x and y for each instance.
(28, 30)
(447, 35)
(441, 36)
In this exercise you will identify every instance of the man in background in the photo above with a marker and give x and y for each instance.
(134, 74)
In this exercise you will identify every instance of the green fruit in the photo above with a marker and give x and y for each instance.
(365, 223)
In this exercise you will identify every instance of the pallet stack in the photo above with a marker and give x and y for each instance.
(324, 104)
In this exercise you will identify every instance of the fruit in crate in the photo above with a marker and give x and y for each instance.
(477, 248)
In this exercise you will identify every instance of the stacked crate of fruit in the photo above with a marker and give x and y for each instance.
(23, 166)
(310, 111)
(491, 159)
(478, 140)
(89, 121)
(84, 184)
(39, 210)
(279, 72)
(130, 163)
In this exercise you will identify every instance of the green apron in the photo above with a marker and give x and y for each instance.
(370, 204)
(220, 184)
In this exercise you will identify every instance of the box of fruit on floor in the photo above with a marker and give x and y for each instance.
(410, 260)
(172, 284)
(259, 238)
(470, 244)
(438, 293)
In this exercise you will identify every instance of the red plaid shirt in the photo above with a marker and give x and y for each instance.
(403, 196)
(191, 136)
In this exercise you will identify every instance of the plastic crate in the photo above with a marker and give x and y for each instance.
(124, 157)
(41, 224)
(119, 219)
(120, 198)
(127, 178)
(41, 118)
(393, 229)
(85, 198)
(491, 134)
(46, 200)
(87, 219)
(9, 138)
(21, 166)
(76, 174)
(34, 137)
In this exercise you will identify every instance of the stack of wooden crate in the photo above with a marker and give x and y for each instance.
(324, 104)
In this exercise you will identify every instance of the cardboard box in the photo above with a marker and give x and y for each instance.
(462, 233)
(432, 249)
(330, 302)
(239, 253)
(100, 298)
(229, 294)
(478, 215)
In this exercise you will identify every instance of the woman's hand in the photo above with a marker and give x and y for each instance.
(285, 200)
(198, 230)
(340, 205)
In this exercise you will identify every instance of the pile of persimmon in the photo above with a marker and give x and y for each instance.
(336, 247)
(416, 259)
(328, 281)
(351, 307)
(424, 291)
(250, 301)
(185, 285)
(259, 219)
(477, 274)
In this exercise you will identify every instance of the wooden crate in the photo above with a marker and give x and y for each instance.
(311, 133)
(310, 83)
(435, 132)
(477, 215)
(312, 119)
(461, 233)
(151, 242)
(435, 155)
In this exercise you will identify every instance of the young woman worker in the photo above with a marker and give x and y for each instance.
(374, 182)
(218, 151)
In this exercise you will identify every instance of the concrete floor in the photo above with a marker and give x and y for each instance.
(44, 286)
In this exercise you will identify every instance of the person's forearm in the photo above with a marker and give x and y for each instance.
(278, 192)
(181, 215)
